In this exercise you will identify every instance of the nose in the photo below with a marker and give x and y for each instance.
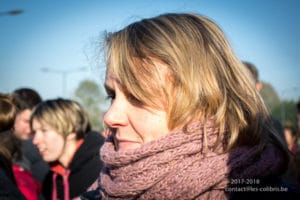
(37, 138)
(116, 115)
(27, 130)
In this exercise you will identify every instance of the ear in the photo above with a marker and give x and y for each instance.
(259, 86)
(71, 136)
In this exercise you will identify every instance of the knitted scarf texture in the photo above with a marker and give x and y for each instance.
(177, 166)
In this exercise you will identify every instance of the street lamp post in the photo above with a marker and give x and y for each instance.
(12, 12)
(64, 74)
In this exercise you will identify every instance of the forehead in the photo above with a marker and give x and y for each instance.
(36, 124)
(25, 113)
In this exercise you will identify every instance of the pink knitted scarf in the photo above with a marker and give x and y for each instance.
(175, 167)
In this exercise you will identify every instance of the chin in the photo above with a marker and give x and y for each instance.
(48, 159)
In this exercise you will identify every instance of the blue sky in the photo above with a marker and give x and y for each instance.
(63, 35)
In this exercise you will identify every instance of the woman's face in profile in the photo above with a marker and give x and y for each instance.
(131, 123)
(49, 142)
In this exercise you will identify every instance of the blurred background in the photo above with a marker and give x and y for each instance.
(54, 46)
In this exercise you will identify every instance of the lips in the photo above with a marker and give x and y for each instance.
(42, 150)
(125, 140)
(123, 144)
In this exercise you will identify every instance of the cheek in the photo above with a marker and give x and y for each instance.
(17, 122)
(153, 127)
(25, 125)
(55, 147)
(21, 124)
(288, 137)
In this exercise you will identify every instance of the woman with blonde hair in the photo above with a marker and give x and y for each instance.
(185, 121)
(63, 136)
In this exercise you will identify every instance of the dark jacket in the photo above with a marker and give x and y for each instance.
(8, 187)
(84, 169)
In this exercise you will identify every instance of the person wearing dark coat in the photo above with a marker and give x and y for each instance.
(26, 99)
(9, 148)
(8, 188)
(84, 167)
(63, 136)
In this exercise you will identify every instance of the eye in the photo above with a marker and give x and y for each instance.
(44, 130)
(110, 93)
(110, 96)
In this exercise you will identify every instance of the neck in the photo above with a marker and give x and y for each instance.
(68, 153)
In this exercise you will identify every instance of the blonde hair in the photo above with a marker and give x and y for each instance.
(65, 116)
(185, 63)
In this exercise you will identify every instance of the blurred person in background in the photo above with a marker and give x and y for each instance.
(290, 175)
(258, 85)
(290, 135)
(297, 153)
(293, 172)
(27, 99)
(9, 149)
(298, 117)
(63, 136)
(31, 161)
